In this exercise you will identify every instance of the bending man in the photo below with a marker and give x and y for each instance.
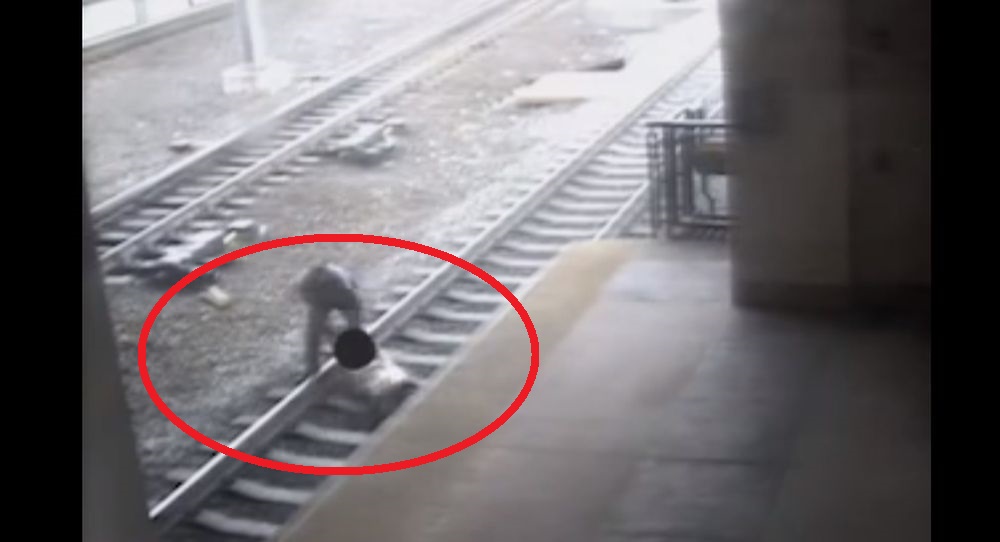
(327, 288)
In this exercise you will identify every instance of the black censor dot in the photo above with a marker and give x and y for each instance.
(354, 349)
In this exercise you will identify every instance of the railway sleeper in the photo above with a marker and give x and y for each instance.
(557, 234)
(226, 524)
(619, 171)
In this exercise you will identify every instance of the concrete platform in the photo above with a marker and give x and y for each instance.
(660, 413)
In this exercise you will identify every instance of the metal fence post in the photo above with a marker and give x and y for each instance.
(670, 144)
(654, 166)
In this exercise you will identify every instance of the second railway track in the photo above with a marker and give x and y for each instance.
(597, 192)
(206, 190)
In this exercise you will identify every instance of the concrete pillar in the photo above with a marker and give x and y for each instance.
(257, 72)
(251, 31)
(114, 508)
(831, 194)
(786, 90)
(141, 13)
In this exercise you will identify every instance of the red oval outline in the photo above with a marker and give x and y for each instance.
(340, 238)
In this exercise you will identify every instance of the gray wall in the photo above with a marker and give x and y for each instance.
(832, 193)
(114, 506)
(889, 73)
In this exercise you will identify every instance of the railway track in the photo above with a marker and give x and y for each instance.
(598, 191)
(198, 197)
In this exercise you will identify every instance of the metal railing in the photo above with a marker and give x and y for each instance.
(688, 174)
